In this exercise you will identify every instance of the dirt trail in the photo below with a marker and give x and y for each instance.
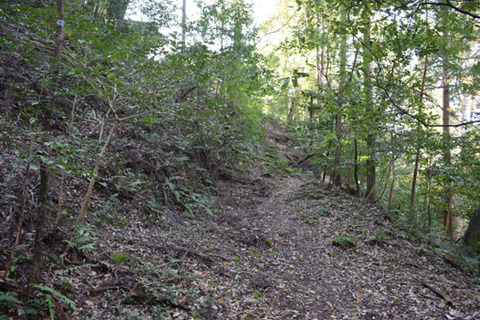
(383, 276)
(270, 255)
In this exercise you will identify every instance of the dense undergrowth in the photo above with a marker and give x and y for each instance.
(145, 121)
(110, 122)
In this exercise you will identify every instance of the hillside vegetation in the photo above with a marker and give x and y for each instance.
(171, 169)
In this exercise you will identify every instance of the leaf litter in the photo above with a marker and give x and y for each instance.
(269, 254)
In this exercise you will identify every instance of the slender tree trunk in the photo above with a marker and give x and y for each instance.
(60, 201)
(425, 205)
(320, 57)
(355, 171)
(40, 222)
(367, 90)
(184, 23)
(329, 151)
(293, 110)
(392, 187)
(44, 168)
(447, 156)
(465, 99)
(414, 185)
(429, 199)
(417, 151)
(336, 177)
(394, 155)
(311, 105)
(88, 195)
(97, 9)
(371, 170)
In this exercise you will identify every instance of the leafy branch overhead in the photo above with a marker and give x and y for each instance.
(293, 79)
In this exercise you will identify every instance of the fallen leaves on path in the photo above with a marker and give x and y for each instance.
(270, 254)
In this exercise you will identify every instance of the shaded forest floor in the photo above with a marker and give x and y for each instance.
(283, 247)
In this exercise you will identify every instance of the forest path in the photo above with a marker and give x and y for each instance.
(290, 224)
(270, 254)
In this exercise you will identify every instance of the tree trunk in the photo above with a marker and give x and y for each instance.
(371, 170)
(293, 109)
(428, 195)
(417, 151)
(392, 188)
(447, 156)
(88, 195)
(184, 23)
(471, 237)
(327, 162)
(367, 90)
(116, 11)
(336, 178)
(355, 171)
(44, 168)
(40, 222)
(320, 57)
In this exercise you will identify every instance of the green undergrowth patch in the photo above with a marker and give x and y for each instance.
(273, 164)
(44, 303)
(345, 241)
(284, 233)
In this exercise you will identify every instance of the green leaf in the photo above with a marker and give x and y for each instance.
(295, 82)
(118, 258)
(301, 74)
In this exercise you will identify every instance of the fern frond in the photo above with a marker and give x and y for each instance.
(54, 293)
(86, 247)
(8, 300)
(50, 304)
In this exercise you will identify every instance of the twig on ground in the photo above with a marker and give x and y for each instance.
(447, 299)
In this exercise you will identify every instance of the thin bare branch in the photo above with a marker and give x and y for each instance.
(450, 5)
(417, 118)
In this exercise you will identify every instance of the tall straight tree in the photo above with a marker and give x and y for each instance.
(184, 22)
(336, 178)
(320, 50)
(44, 167)
(417, 151)
(368, 103)
(447, 155)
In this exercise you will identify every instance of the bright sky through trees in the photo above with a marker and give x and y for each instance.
(263, 10)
